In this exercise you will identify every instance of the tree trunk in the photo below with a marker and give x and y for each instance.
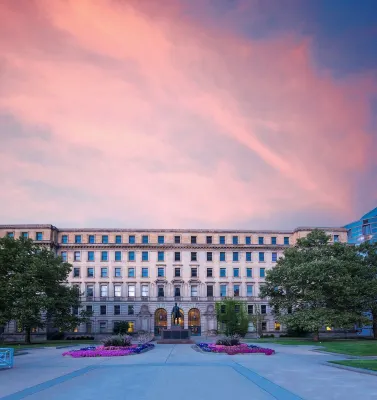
(316, 336)
(28, 335)
(374, 325)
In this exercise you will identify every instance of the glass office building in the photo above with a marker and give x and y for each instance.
(364, 229)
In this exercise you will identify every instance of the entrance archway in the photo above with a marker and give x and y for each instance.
(160, 321)
(181, 321)
(194, 322)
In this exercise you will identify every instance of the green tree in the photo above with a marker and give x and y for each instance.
(35, 289)
(121, 328)
(232, 317)
(257, 318)
(321, 284)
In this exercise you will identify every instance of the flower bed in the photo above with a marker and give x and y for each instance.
(241, 348)
(111, 351)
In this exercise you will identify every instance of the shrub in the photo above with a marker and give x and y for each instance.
(55, 336)
(121, 328)
(233, 340)
(117, 341)
(144, 337)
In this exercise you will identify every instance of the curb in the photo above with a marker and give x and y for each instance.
(352, 369)
(20, 353)
(347, 356)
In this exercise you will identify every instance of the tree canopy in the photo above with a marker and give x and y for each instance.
(318, 284)
(34, 288)
(232, 317)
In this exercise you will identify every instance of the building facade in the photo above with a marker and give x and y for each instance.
(138, 275)
(364, 229)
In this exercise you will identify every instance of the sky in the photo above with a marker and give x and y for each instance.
(247, 114)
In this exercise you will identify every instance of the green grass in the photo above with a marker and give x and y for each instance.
(350, 347)
(49, 343)
(364, 364)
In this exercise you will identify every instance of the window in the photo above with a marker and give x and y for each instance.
(236, 308)
(161, 272)
(131, 256)
(177, 256)
(131, 291)
(131, 239)
(222, 239)
(90, 255)
(336, 239)
(222, 255)
(144, 290)
(209, 239)
(117, 309)
(90, 272)
(194, 291)
(236, 289)
(261, 240)
(235, 255)
(65, 239)
(223, 290)
(144, 272)
(177, 239)
(39, 236)
(248, 240)
(105, 239)
(194, 272)
(286, 240)
(130, 309)
(118, 239)
(250, 309)
(104, 256)
(209, 291)
(193, 239)
(263, 309)
(209, 255)
(248, 256)
(76, 272)
(117, 272)
(104, 272)
(235, 239)
(89, 309)
(209, 273)
(144, 256)
(117, 291)
(103, 325)
(76, 256)
(103, 292)
(118, 255)
(77, 238)
(261, 256)
(103, 310)
(274, 257)
(91, 239)
(236, 272)
(222, 308)
(90, 291)
(273, 240)
(64, 256)
(262, 272)
(161, 239)
(160, 256)
(131, 272)
(177, 272)
(193, 256)
(144, 239)
(277, 326)
(177, 291)
(160, 291)
(249, 290)
(249, 272)
(222, 272)
(264, 326)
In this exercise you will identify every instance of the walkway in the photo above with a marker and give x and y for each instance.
(176, 371)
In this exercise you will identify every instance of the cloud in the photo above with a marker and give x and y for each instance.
(158, 119)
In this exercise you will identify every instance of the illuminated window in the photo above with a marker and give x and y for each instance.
(131, 326)
(277, 326)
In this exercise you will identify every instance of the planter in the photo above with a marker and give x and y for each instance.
(242, 348)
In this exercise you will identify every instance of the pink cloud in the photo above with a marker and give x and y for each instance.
(132, 85)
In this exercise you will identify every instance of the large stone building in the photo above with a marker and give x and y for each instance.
(138, 275)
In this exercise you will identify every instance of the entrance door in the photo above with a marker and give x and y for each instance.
(194, 322)
(160, 321)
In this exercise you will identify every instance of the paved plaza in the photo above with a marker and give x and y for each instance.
(178, 372)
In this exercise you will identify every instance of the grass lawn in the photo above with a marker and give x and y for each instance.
(350, 347)
(49, 343)
(364, 364)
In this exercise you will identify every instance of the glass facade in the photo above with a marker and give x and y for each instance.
(364, 229)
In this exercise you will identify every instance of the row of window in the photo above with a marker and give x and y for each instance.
(25, 235)
(131, 291)
(131, 272)
(177, 239)
(104, 256)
